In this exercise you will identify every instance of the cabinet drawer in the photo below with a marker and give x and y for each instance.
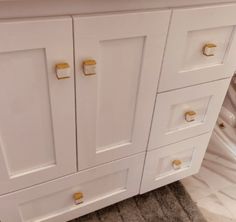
(54, 201)
(201, 46)
(173, 162)
(171, 121)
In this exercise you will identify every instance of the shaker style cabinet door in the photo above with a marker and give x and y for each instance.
(37, 118)
(117, 63)
(201, 46)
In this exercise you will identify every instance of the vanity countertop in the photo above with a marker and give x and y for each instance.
(32, 8)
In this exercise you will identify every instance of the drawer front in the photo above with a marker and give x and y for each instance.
(53, 201)
(185, 113)
(201, 46)
(173, 162)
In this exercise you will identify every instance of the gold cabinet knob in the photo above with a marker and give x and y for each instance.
(63, 70)
(89, 67)
(177, 164)
(221, 125)
(78, 198)
(209, 49)
(190, 116)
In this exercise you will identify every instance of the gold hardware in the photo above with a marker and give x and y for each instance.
(176, 164)
(221, 125)
(63, 70)
(78, 197)
(190, 116)
(89, 67)
(209, 49)
(62, 65)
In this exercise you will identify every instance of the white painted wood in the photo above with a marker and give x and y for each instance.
(158, 170)
(53, 201)
(37, 117)
(115, 106)
(169, 124)
(190, 29)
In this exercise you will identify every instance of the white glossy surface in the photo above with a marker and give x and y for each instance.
(214, 188)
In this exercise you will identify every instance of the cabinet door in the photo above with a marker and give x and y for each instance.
(201, 46)
(114, 106)
(37, 118)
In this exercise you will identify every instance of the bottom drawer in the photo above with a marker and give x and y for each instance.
(173, 162)
(54, 201)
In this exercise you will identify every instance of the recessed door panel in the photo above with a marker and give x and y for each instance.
(115, 102)
(25, 120)
(117, 92)
(37, 129)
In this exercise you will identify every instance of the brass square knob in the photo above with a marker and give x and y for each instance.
(89, 67)
(209, 49)
(177, 164)
(190, 116)
(63, 70)
(78, 198)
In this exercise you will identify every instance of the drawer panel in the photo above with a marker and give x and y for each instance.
(173, 162)
(174, 110)
(53, 201)
(201, 46)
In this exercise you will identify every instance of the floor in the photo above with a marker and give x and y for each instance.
(214, 189)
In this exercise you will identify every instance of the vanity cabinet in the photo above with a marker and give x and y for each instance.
(96, 108)
(37, 115)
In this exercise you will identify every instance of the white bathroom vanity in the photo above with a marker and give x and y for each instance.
(101, 100)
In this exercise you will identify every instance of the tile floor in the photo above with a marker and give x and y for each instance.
(214, 189)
